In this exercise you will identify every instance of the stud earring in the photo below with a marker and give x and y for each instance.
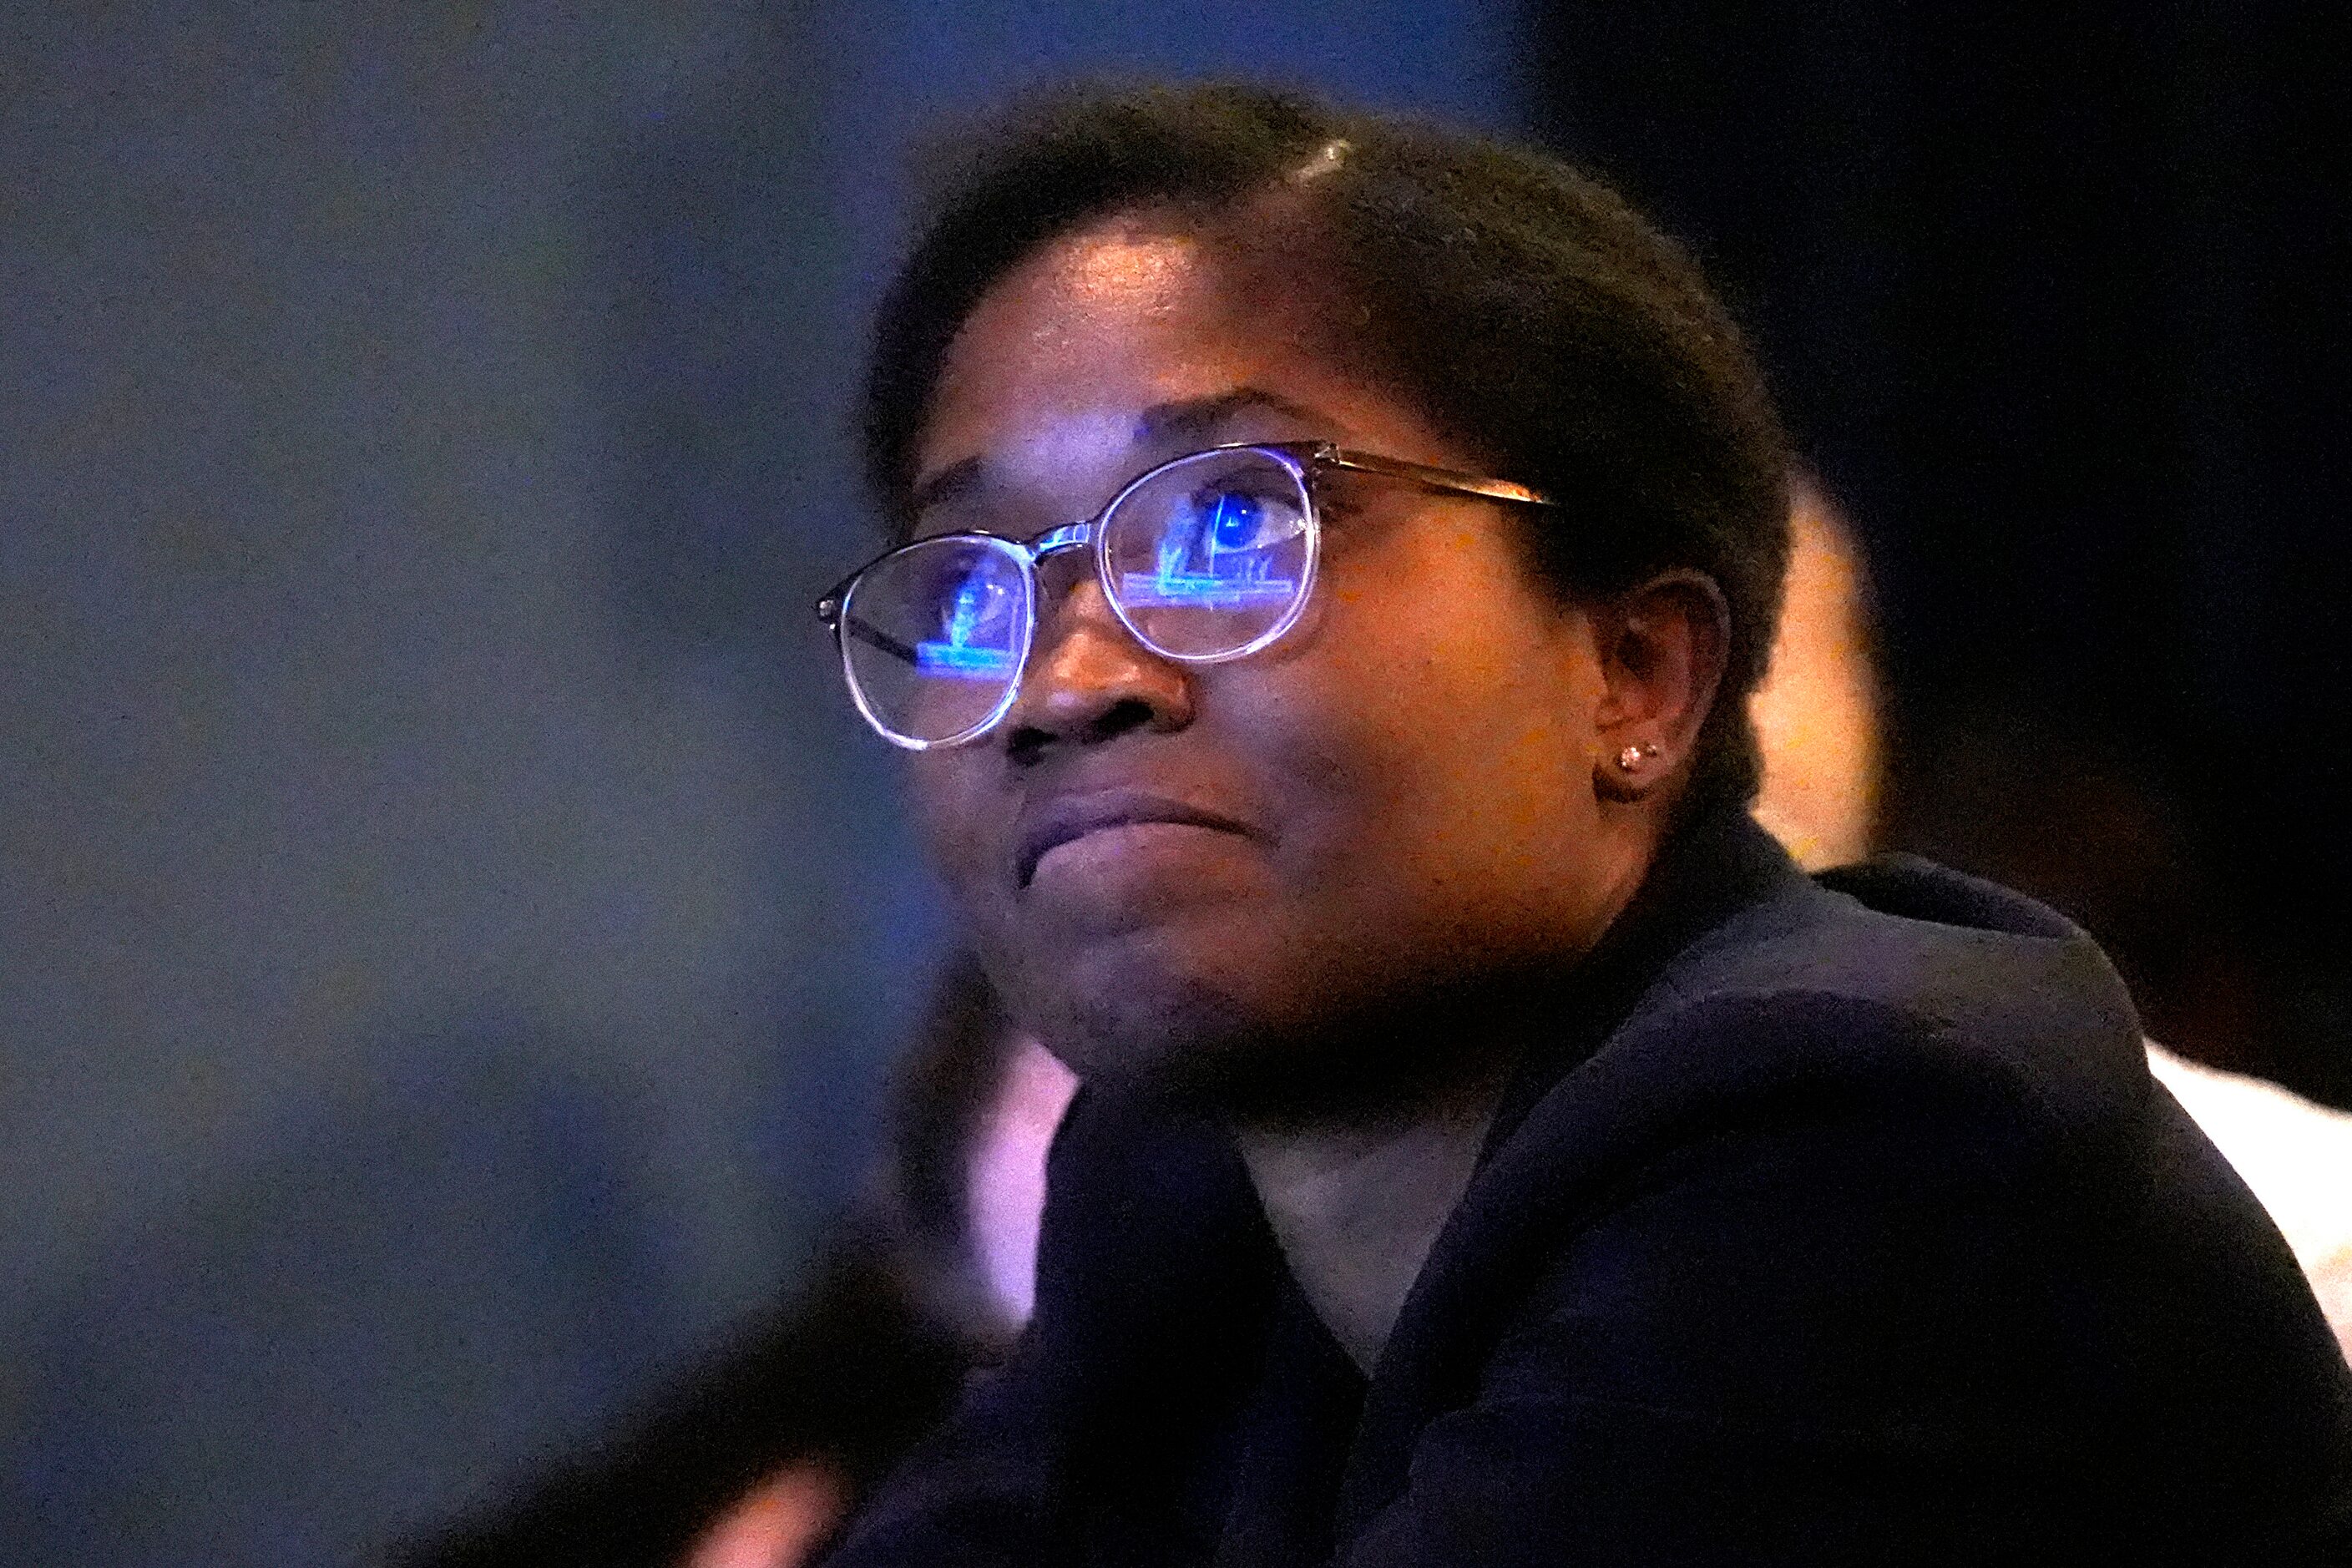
(1631, 756)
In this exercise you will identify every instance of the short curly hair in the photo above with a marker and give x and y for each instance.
(1519, 304)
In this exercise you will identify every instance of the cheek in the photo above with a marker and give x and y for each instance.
(1454, 731)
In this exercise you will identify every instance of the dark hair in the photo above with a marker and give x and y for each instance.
(1519, 305)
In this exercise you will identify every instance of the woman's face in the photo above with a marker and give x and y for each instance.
(1240, 861)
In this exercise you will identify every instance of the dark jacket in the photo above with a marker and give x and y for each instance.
(1839, 1221)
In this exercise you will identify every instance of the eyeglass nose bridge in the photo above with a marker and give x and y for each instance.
(1043, 547)
(1057, 541)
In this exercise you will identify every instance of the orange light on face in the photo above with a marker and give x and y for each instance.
(1816, 715)
(778, 1525)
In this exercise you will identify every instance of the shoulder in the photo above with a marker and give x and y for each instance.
(1880, 1161)
(1902, 1098)
(1914, 988)
(1895, 968)
(1907, 1103)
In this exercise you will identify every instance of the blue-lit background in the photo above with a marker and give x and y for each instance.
(451, 924)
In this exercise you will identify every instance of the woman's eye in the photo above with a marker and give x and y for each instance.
(1234, 520)
(1231, 520)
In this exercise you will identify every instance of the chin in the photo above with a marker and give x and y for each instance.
(1216, 1038)
(1141, 1024)
(1146, 1013)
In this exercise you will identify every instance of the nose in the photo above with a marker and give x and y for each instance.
(1088, 681)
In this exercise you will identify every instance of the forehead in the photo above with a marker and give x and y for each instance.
(1078, 335)
(1058, 384)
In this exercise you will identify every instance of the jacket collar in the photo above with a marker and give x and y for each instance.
(1717, 864)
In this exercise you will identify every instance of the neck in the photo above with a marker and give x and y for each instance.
(1357, 1193)
(1357, 1206)
(1356, 1189)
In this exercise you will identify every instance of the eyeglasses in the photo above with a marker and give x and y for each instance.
(1206, 558)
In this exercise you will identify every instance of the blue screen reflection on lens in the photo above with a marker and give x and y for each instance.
(1214, 552)
(974, 602)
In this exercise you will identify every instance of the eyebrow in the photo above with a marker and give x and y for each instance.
(954, 482)
(1182, 419)
(1198, 417)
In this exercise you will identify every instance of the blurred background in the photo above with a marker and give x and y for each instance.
(453, 929)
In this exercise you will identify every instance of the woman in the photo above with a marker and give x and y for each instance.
(1495, 1150)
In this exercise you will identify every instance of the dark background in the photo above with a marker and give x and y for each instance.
(451, 927)
(2054, 300)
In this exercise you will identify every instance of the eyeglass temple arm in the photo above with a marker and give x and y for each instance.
(1435, 478)
(828, 610)
(874, 636)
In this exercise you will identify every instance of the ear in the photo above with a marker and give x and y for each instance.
(1663, 649)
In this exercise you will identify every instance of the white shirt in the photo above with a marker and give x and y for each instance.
(2296, 1156)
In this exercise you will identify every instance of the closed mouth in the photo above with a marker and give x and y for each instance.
(1073, 818)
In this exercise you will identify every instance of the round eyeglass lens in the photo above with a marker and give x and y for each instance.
(1212, 555)
(933, 636)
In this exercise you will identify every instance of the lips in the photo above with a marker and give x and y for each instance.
(1067, 817)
